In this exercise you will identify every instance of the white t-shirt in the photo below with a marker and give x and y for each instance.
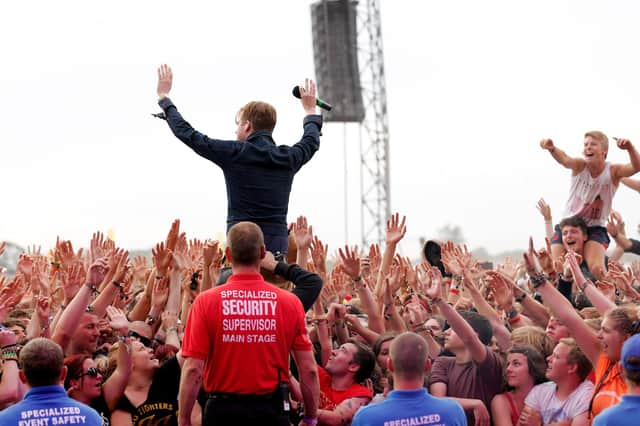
(591, 198)
(542, 398)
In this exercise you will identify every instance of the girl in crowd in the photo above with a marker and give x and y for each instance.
(525, 369)
(602, 348)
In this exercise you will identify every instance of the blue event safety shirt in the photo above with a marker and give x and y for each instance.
(411, 408)
(49, 406)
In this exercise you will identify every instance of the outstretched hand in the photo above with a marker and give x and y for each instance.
(165, 81)
(547, 144)
(307, 96)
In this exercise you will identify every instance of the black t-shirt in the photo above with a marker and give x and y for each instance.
(161, 406)
(100, 405)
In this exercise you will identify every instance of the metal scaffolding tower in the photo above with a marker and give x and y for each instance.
(375, 195)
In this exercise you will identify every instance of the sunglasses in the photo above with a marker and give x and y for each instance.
(144, 340)
(91, 372)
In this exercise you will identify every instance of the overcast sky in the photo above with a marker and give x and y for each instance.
(472, 87)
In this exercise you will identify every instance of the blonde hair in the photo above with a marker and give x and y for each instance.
(623, 319)
(533, 336)
(577, 357)
(600, 137)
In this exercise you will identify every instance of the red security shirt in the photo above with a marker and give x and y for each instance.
(244, 330)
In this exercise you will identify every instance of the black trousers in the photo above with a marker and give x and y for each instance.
(241, 409)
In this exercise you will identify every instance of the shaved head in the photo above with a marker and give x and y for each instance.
(408, 355)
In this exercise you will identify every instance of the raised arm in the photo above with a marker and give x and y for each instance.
(215, 150)
(620, 171)
(631, 183)
(615, 227)
(303, 150)
(461, 327)
(545, 211)
(303, 235)
(575, 164)
(351, 266)
(9, 382)
(70, 317)
(110, 290)
(563, 310)
(212, 260)
(114, 386)
(395, 232)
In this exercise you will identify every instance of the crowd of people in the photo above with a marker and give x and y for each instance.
(528, 343)
(267, 327)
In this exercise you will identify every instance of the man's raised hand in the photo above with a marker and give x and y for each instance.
(547, 144)
(165, 80)
(623, 143)
(307, 95)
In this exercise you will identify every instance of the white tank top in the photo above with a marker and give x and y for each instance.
(591, 198)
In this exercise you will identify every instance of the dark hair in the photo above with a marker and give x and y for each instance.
(14, 321)
(633, 376)
(535, 361)
(19, 313)
(261, 115)
(74, 368)
(245, 241)
(575, 221)
(377, 345)
(365, 358)
(42, 362)
(480, 325)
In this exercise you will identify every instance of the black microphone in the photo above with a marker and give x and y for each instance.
(319, 102)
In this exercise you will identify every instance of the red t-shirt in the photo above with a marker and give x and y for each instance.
(244, 330)
(331, 398)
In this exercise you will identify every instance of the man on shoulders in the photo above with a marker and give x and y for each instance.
(594, 182)
(258, 173)
(409, 402)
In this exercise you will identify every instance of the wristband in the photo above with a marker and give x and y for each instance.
(582, 286)
(150, 320)
(538, 279)
(436, 301)
(93, 288)
(357, 279)
(514, 319)
(519, 299)
(310, 420)
(454, 291)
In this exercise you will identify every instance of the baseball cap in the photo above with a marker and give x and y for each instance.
(631, 348)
